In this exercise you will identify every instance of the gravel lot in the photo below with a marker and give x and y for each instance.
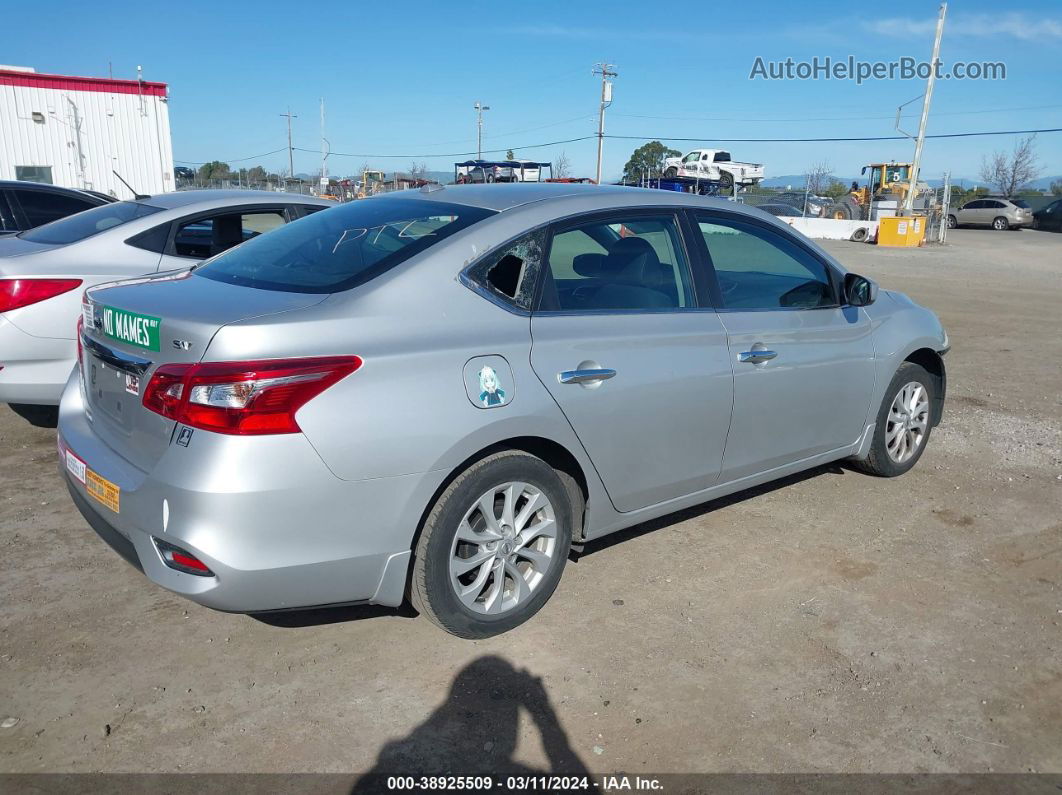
(830, 622)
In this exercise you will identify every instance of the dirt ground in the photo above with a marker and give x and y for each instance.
(830, 622)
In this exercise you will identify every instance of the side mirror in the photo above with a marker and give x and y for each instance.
(859, 290)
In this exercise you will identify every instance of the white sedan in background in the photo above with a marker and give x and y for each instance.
(44, 271)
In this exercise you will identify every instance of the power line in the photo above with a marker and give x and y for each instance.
(643, 138)
(831, 118)
(233, 159)
(831, 140)
(453, 154)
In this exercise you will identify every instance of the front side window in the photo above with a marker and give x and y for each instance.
(343, 247)
(760, 269)
(692, 157)
(618, 264)
(91, 222)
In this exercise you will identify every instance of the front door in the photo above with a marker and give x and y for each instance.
(640, 371)
(803, 364)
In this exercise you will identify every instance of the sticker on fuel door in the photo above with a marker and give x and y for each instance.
(131, 328)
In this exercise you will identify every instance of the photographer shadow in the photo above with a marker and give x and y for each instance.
(475, 731)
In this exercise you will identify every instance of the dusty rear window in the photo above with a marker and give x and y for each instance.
(341, 247)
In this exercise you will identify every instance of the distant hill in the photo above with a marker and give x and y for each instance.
(797, 180)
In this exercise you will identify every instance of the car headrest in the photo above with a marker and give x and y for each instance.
(633, 259)
(588, 265)
(226, 232)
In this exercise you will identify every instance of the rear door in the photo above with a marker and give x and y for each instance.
(635, 361)
(803, 364)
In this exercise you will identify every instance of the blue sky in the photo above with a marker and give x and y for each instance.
(401, 77)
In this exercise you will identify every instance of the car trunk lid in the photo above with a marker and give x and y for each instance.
(132, 328)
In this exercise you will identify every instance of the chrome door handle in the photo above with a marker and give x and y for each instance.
(585, 376)
(757, 356)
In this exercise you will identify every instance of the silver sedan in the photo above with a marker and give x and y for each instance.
(44, 270)
(433, 395)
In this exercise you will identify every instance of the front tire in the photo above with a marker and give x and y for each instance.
(904, 422)
(493, 547)
(953, 222)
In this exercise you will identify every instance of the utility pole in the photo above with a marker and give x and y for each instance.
(479, 108)
(324, 153)
(291, 156)
(908, 203)
(606, 70)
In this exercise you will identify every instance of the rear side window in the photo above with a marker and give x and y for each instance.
(91, 222)
(346, 246)
(7, 218)
(511, 273)
(43, 207)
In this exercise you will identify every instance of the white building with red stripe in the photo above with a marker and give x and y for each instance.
(78, 131)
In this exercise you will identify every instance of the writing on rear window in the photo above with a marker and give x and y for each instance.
(131, 328)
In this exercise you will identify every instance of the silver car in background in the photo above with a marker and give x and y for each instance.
(43, 272)
(435, 393)
(999, 213)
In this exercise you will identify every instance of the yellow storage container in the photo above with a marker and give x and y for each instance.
(901, 231)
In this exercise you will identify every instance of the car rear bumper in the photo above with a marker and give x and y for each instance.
(317, 541)
(34, 368)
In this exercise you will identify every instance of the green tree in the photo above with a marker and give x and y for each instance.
(647, 161)
(256, 174)
(835, 189)
(215, 169)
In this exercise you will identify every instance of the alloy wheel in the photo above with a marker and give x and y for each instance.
(907, 423)
(503, 547)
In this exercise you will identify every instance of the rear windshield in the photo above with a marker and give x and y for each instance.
(342, 247)
(1020, 203)
(88, 223)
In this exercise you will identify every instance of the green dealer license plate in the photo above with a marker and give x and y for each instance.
(131, 328)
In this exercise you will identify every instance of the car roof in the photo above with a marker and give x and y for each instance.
(506, 196)
(185, 198)
(22, 184)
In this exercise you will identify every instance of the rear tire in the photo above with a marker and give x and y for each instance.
(726, 182)
(904, 422)
(1000, 224)
(521, 558)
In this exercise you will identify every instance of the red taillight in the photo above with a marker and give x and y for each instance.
(17, 293)
(243, 398)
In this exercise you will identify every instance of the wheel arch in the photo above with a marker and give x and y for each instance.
(552, 452)
(933, 362)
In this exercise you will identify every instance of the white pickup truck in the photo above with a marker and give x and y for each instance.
(713, 165)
